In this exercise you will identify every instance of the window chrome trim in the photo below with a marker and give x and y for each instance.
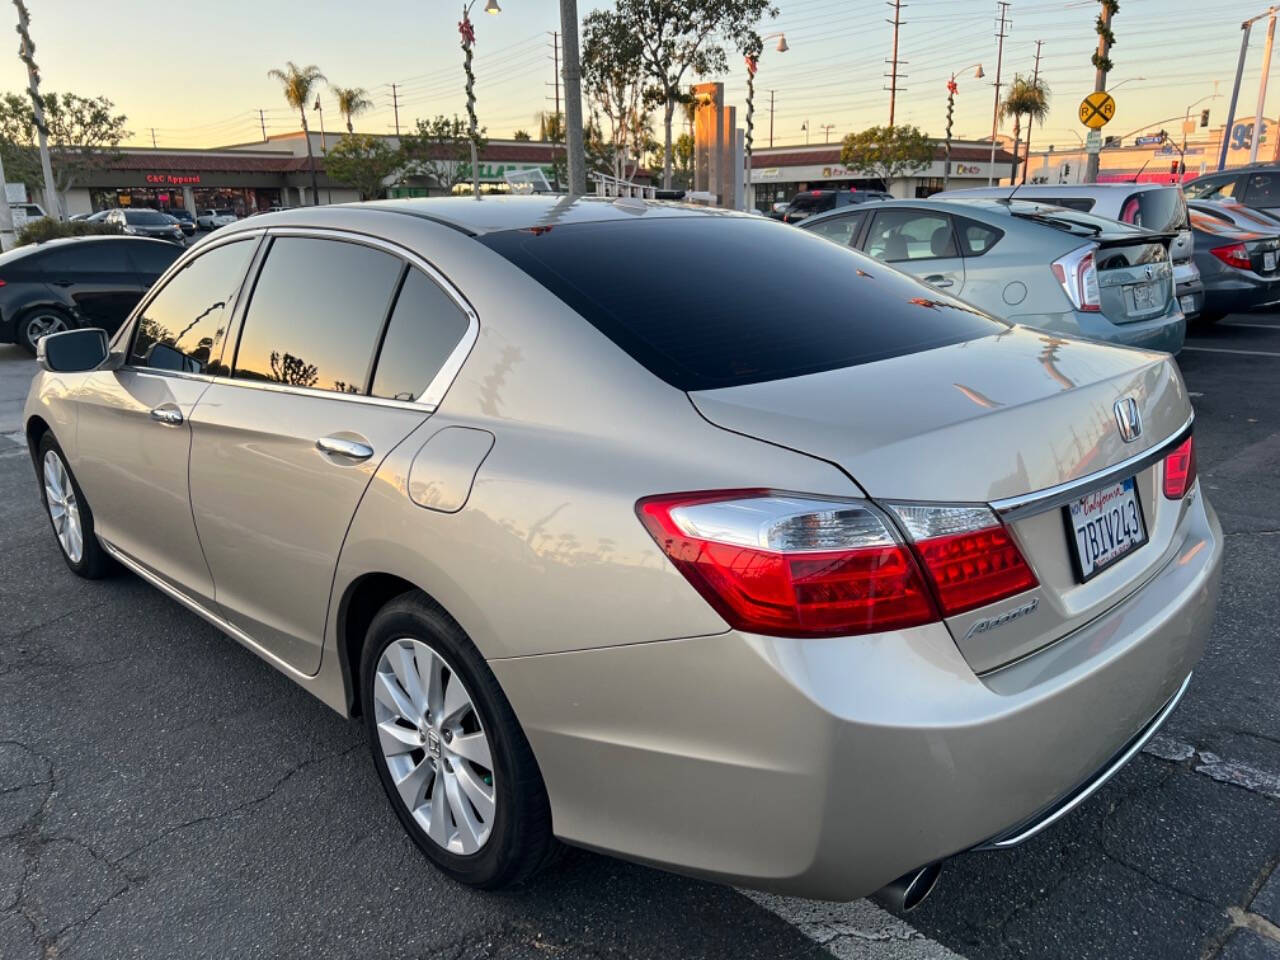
(1013, 509)
(433, 393)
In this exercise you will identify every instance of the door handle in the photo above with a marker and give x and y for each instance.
(169, 415)
(348, 449)
(938, 280)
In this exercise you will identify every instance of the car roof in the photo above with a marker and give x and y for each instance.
(496, 213)
(1059, 189)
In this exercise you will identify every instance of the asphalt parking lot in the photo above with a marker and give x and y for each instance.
(163, 793)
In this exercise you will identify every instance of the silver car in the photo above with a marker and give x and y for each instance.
(1046, 267)
(1152, 206)
(679, 534)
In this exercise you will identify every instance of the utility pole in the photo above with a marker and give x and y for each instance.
(995, 110)
(27, 53)
(153, 138)
(573, 98)
(771, 93)
(893, 64)
(1245, 28)
(1035, 79)
(1262, 87)
(558, 128)
(1102, 64)
(826, 132)
(395, 108)
(262, 121)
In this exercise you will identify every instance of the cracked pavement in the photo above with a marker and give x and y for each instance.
(163, 793)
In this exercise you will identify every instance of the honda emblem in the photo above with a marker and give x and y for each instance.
(1128, 419)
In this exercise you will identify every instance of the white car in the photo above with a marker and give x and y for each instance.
(213, 219)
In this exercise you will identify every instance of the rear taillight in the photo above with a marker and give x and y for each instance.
(1234, 255)
(791, 566)
(1078, 274)
(1180, 470)
(967, 553)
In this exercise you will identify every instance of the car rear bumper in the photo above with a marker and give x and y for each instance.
(1237, 292)
(827, 768)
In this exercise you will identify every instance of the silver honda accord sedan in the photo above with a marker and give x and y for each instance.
(673, 533)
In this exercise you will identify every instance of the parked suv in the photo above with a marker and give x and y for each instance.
(147, 223)
(1030, 263)
(78, 282)
(809, 202)
(804, 585)
(1256, 186)
(1153, 206)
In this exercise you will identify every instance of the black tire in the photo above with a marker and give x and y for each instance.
(1207, 319)
(94, 563)
(520, 842)
(23, 329)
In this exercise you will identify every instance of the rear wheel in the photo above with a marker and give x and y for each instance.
(450, 754)
(40, 322)
(69, 513)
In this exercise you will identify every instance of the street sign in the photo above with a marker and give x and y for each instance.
(1149, 141)
(1097, 109)
(1093, 142)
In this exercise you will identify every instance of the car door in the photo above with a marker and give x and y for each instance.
(97, 278)
(134, 423)
(283, 449)
(920, 242)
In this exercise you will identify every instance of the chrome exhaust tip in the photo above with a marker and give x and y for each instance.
(911, 889)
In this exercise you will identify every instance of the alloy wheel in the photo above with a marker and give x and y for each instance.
(434, 746)
(43, 324)
(64, 510)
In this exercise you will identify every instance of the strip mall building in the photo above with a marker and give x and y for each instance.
(251, 177)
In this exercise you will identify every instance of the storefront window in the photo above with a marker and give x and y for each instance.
(928, 186)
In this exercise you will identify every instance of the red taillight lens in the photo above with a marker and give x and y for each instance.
(1234, 255)
(791, 566)
(1180, 470)
(968, 555)
(1078, 274)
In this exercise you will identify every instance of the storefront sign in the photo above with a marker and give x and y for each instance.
(173, 180)
(829, 172)
(965, 169)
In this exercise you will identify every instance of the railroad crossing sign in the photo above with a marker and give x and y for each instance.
(1097, 109)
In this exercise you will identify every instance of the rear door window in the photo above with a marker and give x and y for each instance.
(184, 327)
(976, 238)
(1263, 190)
(99, 256)
(764, 300)
(899, 235)
(843, 229)
(316, 314)
(1212, 188)
(426, 324)
(152, 257)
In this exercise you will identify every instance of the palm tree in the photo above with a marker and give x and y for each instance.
(352, 101)
(298, 83)
(1026, 97)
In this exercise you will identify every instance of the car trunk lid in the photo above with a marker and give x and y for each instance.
(1135, 279)
(937, 426)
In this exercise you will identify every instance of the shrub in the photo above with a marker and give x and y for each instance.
(46, 228)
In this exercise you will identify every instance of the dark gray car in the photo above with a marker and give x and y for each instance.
(147, 223)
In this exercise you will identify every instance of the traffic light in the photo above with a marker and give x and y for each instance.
(1066, 169)
(1204, 118)
(1173, 167)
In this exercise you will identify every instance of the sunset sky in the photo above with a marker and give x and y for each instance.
(197, 73)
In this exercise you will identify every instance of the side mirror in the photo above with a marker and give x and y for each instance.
(72, 351)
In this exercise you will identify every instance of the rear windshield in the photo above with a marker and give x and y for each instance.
(145, 217)
(716, 301)
(812, 203)
(1163, 210)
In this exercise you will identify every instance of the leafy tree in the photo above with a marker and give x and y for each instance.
(46, 228)
(887, 152)
(613, 77)
(521, 135)
(364, 161)
(84, 136)
(1026, 97)
(684, 158)
(297, 84)
(352, 101)
(440, 149)
(679, 36)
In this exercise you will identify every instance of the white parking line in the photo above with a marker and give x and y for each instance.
(1253, 326)
(1243, 353)
(854, 931)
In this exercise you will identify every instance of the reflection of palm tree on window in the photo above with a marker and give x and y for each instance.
(343, 387)
(220, 304)
(292, 370)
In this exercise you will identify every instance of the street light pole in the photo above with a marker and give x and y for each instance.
(1245, 29)
(752, 58)
(577, 161)
(952, 90)
(468, 32)
(27, 52)
(1100, 76)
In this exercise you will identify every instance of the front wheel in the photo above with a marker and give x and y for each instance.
(39, 323)
(69, 513)
(450, 754)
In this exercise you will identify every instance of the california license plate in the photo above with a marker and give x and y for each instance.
(1188, 304)
(1104, 526)
(1144, 296)
(1268, 261)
